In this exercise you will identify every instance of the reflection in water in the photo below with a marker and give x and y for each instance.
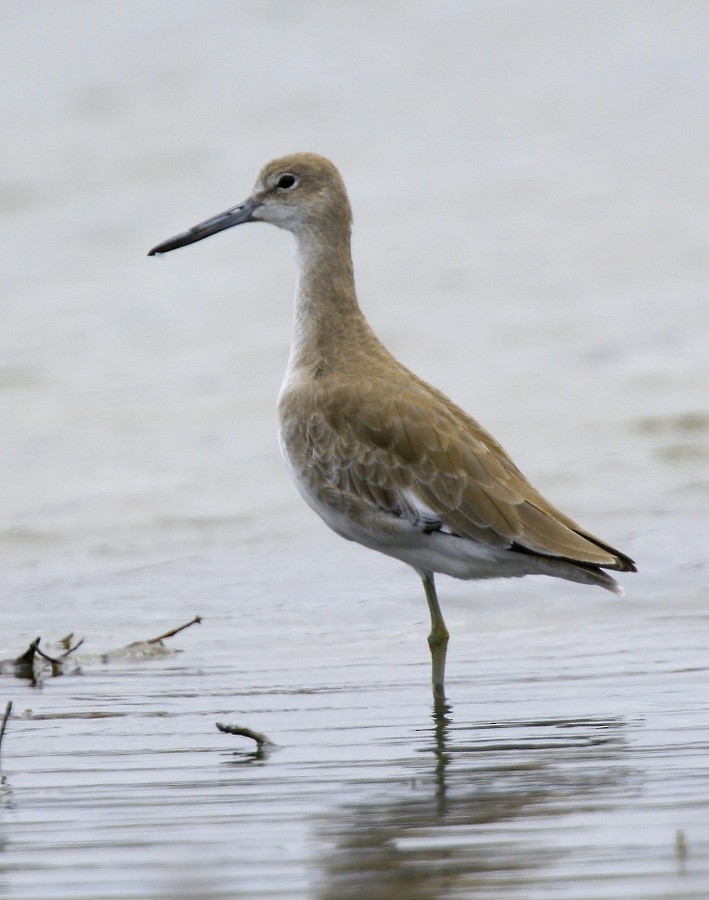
(6, 802)
(438, 831)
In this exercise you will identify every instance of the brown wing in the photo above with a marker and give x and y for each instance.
(417, 456)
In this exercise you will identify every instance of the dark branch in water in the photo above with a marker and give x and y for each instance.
(27, 658)
(32, 663)
(8, 710)
(261, 740)
(168, 634)
(23, 665)
(71, 649)
(52, 659)
(58, 664)
(28, 664)
(148, 649)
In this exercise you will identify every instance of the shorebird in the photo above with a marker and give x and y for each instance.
(384, 458)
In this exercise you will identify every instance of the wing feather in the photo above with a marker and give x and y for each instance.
(412, 454)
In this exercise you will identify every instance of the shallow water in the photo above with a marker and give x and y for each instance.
(530, 211)
(573, 760)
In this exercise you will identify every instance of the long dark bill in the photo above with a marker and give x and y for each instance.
(237, 215)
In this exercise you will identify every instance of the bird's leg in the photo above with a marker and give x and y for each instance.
(437, 639)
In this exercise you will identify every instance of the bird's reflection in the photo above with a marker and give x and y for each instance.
(442, 721)
(476, 811)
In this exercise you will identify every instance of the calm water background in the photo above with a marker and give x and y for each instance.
(530, 189)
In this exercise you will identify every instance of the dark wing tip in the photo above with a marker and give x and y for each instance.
(622, 562)
(625, 563)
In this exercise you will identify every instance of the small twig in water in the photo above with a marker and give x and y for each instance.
(169, 634)
(71, 649)
(58, 662)
(8, 710)
(261, 739)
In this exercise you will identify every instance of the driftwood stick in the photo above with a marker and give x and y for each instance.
(8, 710)
(58, 662)
(261, 739)
(174, 631)
(71, 649)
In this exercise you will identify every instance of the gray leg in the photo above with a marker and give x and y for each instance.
(437, 639)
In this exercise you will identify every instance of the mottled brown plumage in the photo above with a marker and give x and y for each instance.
(383, 457)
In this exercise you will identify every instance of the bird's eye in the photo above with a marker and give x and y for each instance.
(286, 181)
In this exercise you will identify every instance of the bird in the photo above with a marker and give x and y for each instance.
(384, 458)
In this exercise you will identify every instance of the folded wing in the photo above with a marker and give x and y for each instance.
(434, 466)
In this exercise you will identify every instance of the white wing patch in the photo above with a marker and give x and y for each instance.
(420, 515)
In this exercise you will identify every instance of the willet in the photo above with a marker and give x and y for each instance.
(385, 459)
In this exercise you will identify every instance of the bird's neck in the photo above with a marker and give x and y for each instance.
(328, 320)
